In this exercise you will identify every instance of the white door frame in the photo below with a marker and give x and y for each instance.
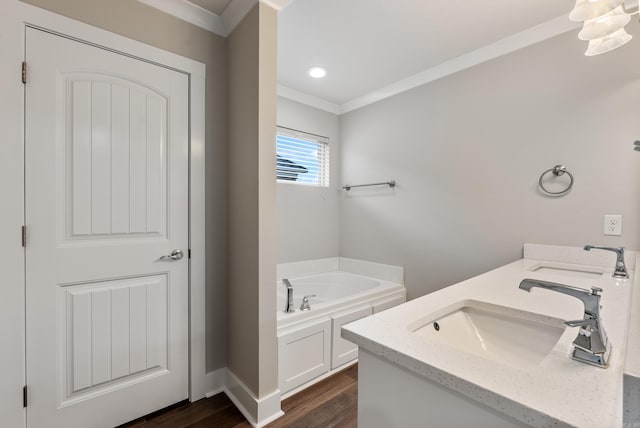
(14, 18)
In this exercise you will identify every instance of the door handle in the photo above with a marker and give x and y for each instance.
(175, 255)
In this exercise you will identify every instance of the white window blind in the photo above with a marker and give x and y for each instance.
(302, 158)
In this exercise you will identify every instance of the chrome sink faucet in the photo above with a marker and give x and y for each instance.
(621, 269)
(592, 345)
(289, 307)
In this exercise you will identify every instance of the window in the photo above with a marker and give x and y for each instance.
(302, 158)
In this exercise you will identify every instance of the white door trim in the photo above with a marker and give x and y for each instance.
(12, 330)
(13, 20)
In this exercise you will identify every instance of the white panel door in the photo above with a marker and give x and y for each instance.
(106, 159)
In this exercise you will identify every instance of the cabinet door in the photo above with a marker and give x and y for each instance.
(304, 354)
(344, 351)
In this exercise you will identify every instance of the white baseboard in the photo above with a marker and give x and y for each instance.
(258, 412)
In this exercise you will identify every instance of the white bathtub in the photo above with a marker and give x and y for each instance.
(328, 287)
(334, 291)
(310, 345)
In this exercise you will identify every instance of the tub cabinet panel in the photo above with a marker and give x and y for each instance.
(386, 304)
(304, 354)
(344, 351)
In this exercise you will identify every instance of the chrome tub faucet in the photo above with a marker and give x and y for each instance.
(592, 345)
(289, 307)
(620, 270)
(305, 302)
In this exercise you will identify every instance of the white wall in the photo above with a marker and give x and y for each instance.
(308, 217)
(467, 151)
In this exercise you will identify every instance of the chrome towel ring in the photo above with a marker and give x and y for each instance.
(557, 171)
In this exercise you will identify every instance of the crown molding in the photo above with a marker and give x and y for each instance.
(235, 12)
(310, 100)
(221, 25)
(533, 35)
(224, 24)
(238, 9)
(191, 13)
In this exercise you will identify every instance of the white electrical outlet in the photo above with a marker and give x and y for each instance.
(612, 224)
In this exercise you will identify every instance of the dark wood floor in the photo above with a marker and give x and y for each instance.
(332, 402)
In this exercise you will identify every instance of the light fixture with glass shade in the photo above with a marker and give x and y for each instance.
(604, 22)
(590, 9)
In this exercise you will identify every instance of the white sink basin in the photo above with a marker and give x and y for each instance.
(494, 332)
(574, 272)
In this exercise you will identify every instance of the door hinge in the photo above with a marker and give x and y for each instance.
(24, 71)
(24, 236)
(24, 396)
(189, 253)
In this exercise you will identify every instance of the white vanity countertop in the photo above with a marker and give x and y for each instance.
(558, 391)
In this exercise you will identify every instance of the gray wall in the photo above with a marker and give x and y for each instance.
(467, 151)
(252, 347)
(139, 22)
(309, 217)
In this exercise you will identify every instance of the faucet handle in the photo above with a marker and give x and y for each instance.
(617, 250)
(305, 302)
(581, 323)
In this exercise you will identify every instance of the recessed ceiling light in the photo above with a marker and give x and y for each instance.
(317, 72)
